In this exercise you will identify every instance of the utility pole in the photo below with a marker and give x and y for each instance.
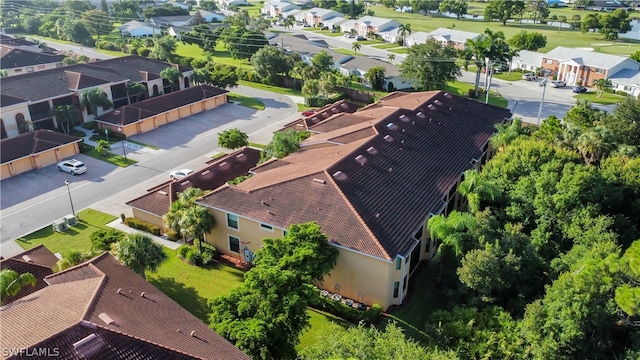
(488, 89)
(543, 84)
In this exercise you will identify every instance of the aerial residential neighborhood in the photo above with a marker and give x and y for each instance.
(309, 179)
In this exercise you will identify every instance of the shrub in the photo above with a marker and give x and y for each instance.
(144, 52)
(193, 256)
(91, 125)
(101, 240)
(84, 148)
(348, 313)
(107, 45)
(172, 235)
(141, 225)
(183, 250)
(198, 63)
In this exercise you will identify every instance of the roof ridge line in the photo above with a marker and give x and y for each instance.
(98, 289)
(27, 262)
(357, 214)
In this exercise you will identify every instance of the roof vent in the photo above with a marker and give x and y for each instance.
(319, 181)
(388, 138)
(241, 156)
(185, 183)
(361, 159)
(106, 318)
(390, 169)
(335, 110)
(377, 215)
(339, 175)
(344, 105)
(448, 96)
(404, 118)
(438, 102)
(193, 333)
(205, 172)
(143, 294)
(431, 107)
(116, 112)
(420, 115)
(88, 345)
(162, 193)
(27, 258)
(119, 291)
(392, 126)
(223, 164)
(325, 113)
(371, 150)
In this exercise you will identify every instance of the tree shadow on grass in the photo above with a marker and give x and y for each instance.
(186, 296)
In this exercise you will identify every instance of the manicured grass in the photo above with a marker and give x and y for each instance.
(344, 51)
(189, 50)
(75, 238)
(275, 89)
(321, 323)
(110, 158)
(371, 42)
(217, 155)
(514, 76)
(246, 101)
(606, 99)
(386, 46)
(192, 286)
(256, 145)
(399, 50)
(303, 107)
(462, 89)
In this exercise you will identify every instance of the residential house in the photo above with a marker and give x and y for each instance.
(19, 43)
(182, 6)
(371, 179)
(277, 8)
(348, 26)
(627, 80)
(527, 60)
(456, 38)
(226, 3)
(168, 21)
(371, 24)
(17, 61)
(102, 310)
(316, 16)
(577, 65)
(150, 114)
(38, 261)
(139, 29)
(305, 48)
(606, 5)
(176, 30)
(24, 99)
(334, 22)
(152, 206)
(35, 150)
(418, 37)
(212, 16)
(360, 65)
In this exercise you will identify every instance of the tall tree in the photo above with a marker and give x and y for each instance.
(66, 114)
(125, 9)
(97, 22)
(501, 10)
(283, 144)
(208, 5)
(375, 76)
(322, 62)
(173, 76)
(164, 48)
(265, 315)
(457, 7)
(196, 222)
(478, 49)
(91, 99)
(430, 66)
(628, 294)
(11, 282)
(270, 64)
(450, 231)
(356, 47)
(403, 31)
(139, 253)
(233, 139)
(602, 85)
(525, 40)
(137, 91)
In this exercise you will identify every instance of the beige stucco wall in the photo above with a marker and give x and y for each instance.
(32, 68)
(360, 277)
(9, 117)
(149, 218)
(38, 161)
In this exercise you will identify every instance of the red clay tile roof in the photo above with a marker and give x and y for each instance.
(32, 143)
(130, 114)
(327, 111)
(157, 200)
(384, 185)
(126, 315)
(38, 261)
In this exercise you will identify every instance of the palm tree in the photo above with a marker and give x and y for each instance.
(173, 76)
(478, 49)
(66, 114)
(298, 70)
(93, 98)
(289, 21)
(327, 84)
(310, 89)
(562, 19)
(403, 31)
(356, 47)
(134, 90)
(601, 85)
(451, 231)
(391, 57)
(197, 221)
(506, 134)
(496, 51)
(477, 190)
(594, 144)
(139, 253)
(186, 200)
(11, 283)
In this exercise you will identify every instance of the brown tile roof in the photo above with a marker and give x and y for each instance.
(126, 315)
(157, 200)
(7, 100)
(127, 68)
(11, 41)
(327, 111)
(38, 261)
(384, 185)
(15, 58)
(32, 143)
(130, 114)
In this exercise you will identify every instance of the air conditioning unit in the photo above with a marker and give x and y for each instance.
(60, 225)
(70, 220)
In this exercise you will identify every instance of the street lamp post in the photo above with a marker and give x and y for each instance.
(124, 151)
(543, 84)
(73, 211)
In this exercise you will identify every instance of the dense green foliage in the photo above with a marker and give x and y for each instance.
(265, 316)
(233, 139)
(283, 144)
(426, 73)
(139, 253)
(101, 240)
(11, 283)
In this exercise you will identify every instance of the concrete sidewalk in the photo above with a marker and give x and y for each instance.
(119, 225)
(132, 150)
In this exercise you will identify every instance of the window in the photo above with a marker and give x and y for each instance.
(549, 61)
(284, 232)
(40, 67)
(396, 288)
(232, 221)
(398, 263)
(599, 71)
(234, 244)
(30, 69)
(266, 227)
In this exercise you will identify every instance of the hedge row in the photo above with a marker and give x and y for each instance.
(348, 313)
(141, 225)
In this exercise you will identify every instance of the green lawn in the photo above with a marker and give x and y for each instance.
(344, 51)
(386, 46)
(75, 238)
(111, 158)
(275, 89)
(606, 99)
(321, 323)
(399, 50)
(462, 89)
(246, 101)
(256, 145)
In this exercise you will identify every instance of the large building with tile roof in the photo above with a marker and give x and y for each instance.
(19, 61)
(30, 98)
(371, 179)
(102, 310)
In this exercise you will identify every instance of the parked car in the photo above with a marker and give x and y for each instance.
(579, 89)
(558, 84)
(529, 76)
(279, 23)
(306, 25)
(179, 174)
(309, 112)
(361, 38)
(351, 36)
(73, 167)
(324, 28)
